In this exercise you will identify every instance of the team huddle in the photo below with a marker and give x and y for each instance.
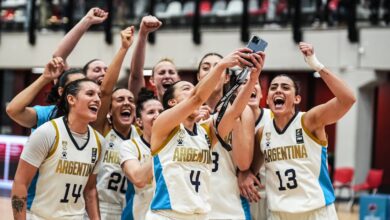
(99, 152)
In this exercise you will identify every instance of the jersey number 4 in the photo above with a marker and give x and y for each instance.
(291, 180)
(194, 179)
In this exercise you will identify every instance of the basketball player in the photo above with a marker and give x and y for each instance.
(56, 175)
(225, 199)
(136, 158)
(181, 147)
(294, 146)
(114, 121)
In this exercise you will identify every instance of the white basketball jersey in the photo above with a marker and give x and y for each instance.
(111, 181)
(138, 199)
(56, 192)
(264, 118)
(181, 169)
(296, 168)
(225, 199)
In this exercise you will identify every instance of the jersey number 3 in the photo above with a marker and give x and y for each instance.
(291, 180)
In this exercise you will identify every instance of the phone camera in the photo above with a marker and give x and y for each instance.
(255, 40)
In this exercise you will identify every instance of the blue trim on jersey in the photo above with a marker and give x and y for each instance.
(324, 179)
(161, 199)
(127, 213)
(246, 207)
(31, 191)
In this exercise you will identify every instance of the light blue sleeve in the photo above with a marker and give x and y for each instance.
(44, 114)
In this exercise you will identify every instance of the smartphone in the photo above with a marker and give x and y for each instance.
(257, 44)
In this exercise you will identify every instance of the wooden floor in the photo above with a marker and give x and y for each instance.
(6, 211)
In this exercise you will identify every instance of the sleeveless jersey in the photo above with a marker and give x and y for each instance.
(296, 168)
(225, 199)
(111, 181)
(138, 199)
(181, 169)
(264, 118)
(56, 191)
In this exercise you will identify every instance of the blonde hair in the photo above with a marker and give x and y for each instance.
(165, 59)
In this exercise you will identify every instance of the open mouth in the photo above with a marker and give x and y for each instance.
(93, 108)
(279, 102)
(125, 114)
(253, 95)
(166, 84)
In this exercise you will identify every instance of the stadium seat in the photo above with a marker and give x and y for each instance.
(205, 7)
(173, 10)
(342, 179)
(372, 183)
(159, 8)
(235, 7)
(189, 9)
(218, 7)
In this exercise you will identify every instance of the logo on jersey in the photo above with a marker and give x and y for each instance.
(267, 139)
(64, 148)
(180, 138)
(299, 136)
(112, 139)
(94, 155)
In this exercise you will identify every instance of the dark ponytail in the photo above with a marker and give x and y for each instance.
(73, 89)
(53, 96)
(143, 96)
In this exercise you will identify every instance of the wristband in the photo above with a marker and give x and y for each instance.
(314, 63)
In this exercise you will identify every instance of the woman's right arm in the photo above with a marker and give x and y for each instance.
(136, 79)
(172, 117)
(23, 177)
(67, 44)
(34, 153)
(138, 173)
(18, 109)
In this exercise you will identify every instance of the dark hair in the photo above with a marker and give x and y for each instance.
(53, 96)
(86, 66)
(72, 88)
(208, 55)
(168, 95)
(296, 83)
(143, 96)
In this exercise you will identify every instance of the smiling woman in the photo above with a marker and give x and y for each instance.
(62, 156)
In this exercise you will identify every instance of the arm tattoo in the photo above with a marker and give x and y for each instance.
(18, 203)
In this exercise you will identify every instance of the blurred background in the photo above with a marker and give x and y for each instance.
(351, 37)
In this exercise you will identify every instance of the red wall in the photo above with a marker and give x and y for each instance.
(382, 132)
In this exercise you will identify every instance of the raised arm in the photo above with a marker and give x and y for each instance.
(328, 113)
(111, 77)
(235, 110)
(67, 44)
(136, 79)
(172, 117)
(18, 109)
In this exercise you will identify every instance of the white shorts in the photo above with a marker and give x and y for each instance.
(259, 210)
(324, 213)
(163, 215)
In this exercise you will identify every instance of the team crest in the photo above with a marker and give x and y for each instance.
(112, 139)
(94, 155)
(64, 148)
(181, 137)
(299, 136)
(267, 139)
(64, 144)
